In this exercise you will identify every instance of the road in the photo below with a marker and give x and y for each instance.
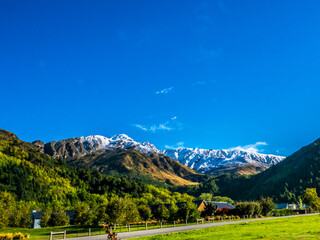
(144, 233)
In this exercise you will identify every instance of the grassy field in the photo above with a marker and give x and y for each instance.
(74, 231)
(306, 227)
(44, 233)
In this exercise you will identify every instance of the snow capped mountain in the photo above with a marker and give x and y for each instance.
(206, 161)
(117, 141)
(81, 146)
(201, 160)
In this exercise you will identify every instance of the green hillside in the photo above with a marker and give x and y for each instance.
(30, 175)
(285, 181)
(134, 165)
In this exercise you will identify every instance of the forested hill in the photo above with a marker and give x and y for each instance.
(31, 175)
(285, 181)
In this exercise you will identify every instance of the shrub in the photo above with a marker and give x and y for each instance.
(6, 236)
(224, 211)
(282, 212)
(10, 236)
(267, 205)
(18, 236)
(248, 208)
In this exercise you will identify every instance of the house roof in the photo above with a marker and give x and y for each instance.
(281, 205)
(222, 205)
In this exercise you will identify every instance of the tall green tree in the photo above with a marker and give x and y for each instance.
(209, 209)
(84, 215)
(310, 197)
(145, 213)
(162, 213)
(173, 212)
(267, 205)
(58, 218)
(189, 211)
(122, 210)
(205, 197)
(7, 203)
(45, 218)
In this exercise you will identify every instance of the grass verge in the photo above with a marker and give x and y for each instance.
(304, 227)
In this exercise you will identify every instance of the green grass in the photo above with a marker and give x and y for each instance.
(306, 227)
(44, 233)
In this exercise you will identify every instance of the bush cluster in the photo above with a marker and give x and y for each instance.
(282, 212)
(10, 236)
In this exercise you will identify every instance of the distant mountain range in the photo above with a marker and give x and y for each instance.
(202, 160)
(221, 161)
(121, 156)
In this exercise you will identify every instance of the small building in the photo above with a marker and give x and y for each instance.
(36, 217)
(292, 206)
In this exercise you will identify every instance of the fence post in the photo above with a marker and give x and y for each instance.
(174, 223)
(51, 235)
(128, 227)
(186, 222)
(65, 234)
(146, 226)
(160, 224)
(89, 234)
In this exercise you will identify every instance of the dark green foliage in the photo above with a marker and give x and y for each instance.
(248, 208)
(44, 222)
(58, 218)
(173, 212)
(84, 215)
(310, 197)
(282, 212)
(102, 214)
(30, 175)
(145, 212)
(189, 211)
(122, 210)
(283, 182)
(209, 210)
(267, 205)
(12, 213)
(162, 213)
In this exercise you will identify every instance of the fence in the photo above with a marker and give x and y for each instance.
(81, 231)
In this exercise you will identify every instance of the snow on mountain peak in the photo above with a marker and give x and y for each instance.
(204, 160)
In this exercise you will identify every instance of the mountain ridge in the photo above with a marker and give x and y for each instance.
(119, 156)
(202, 160)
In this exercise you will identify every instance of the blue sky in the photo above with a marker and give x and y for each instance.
(208, 74)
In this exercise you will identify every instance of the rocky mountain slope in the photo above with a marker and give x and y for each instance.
(120, 155)
(221, 161)
(202, 160)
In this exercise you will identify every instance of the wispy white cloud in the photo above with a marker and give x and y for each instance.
(164, 91)
(252, 147)
(176, 146)
(141, 127)
(172, 124)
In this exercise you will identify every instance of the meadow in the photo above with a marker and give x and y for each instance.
(304, 227)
